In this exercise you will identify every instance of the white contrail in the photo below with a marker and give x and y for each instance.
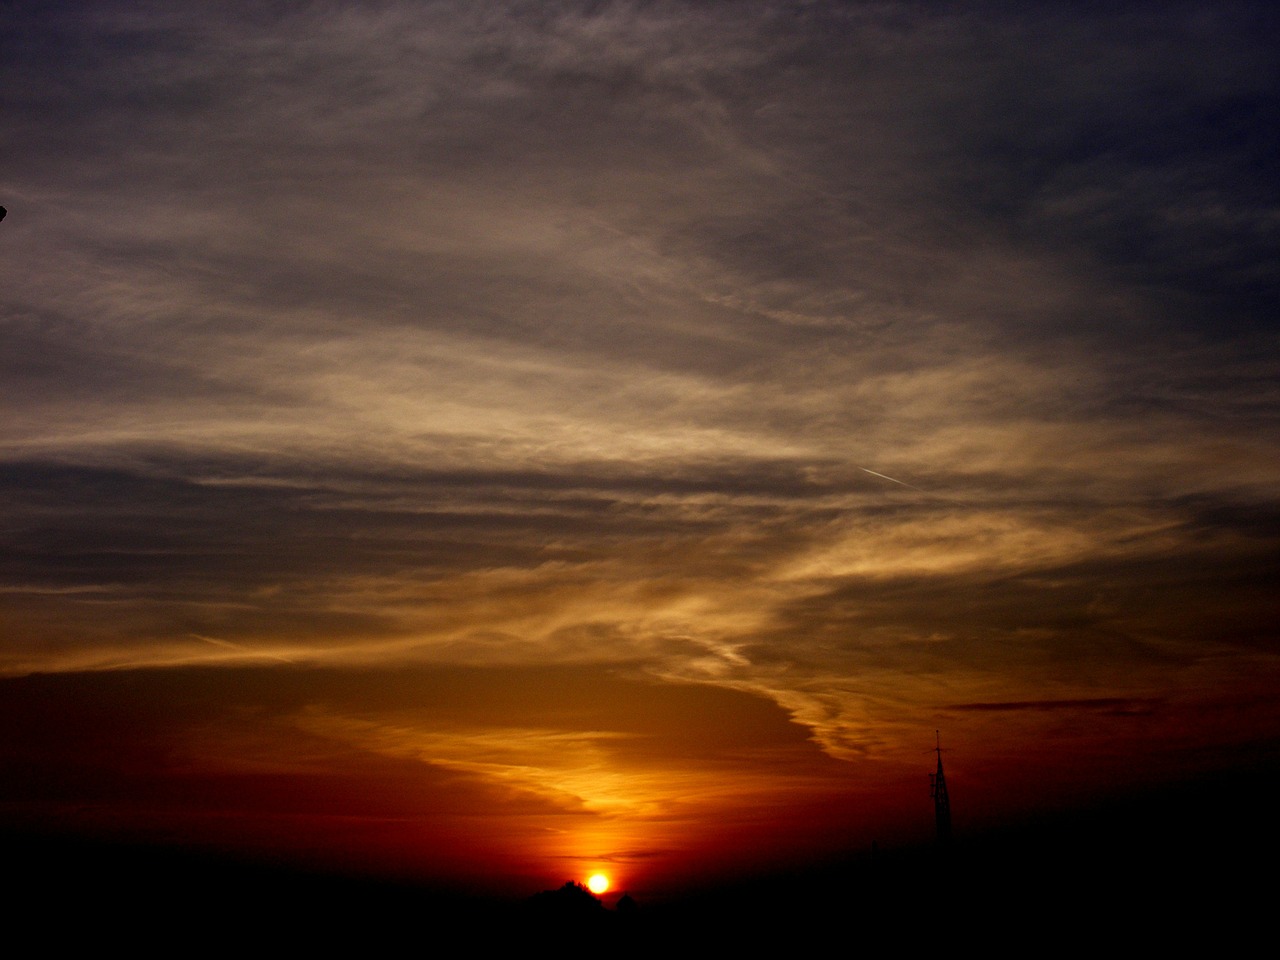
(911, 486)
(248, 651)
(891, 480)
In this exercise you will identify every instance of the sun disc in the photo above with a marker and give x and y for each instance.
(598, 883)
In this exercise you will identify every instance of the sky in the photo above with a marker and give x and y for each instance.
(496, 442)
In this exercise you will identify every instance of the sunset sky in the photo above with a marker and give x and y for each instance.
(496, 442)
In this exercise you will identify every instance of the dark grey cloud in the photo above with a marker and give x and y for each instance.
(1107, 704)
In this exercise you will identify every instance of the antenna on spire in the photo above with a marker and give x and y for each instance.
(941, 802)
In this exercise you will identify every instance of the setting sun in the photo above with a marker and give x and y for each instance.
(598, 883)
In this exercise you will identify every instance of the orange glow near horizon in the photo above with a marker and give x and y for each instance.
(580, 771)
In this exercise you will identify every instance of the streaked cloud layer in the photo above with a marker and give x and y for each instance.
(892, 366)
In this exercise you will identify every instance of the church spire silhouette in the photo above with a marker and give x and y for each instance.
(941, 802)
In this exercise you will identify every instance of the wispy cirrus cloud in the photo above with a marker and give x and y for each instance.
(872, 359)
